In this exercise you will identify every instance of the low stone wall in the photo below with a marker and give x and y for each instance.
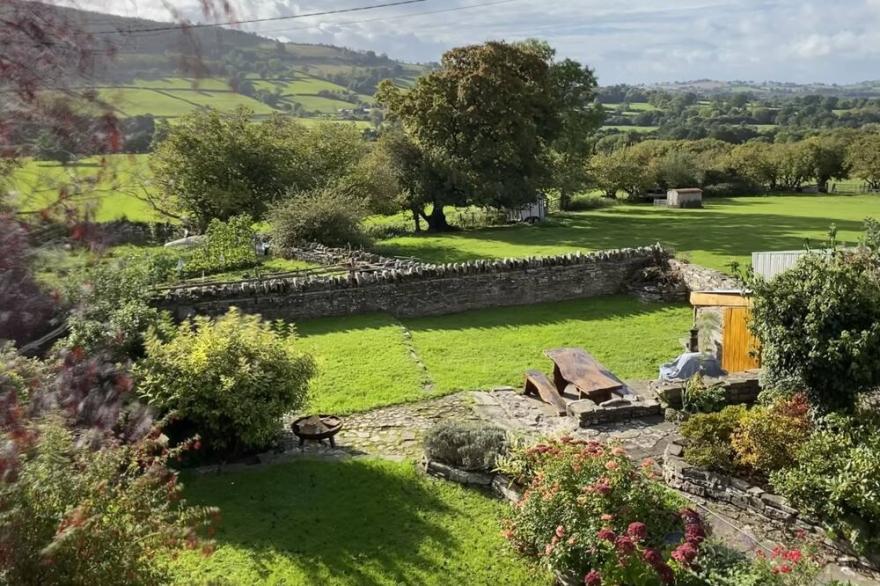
(739, 388)
(497, 483)
(422, 289)
(700, 278)
(326, 255)
(638, 405)
(679, 474)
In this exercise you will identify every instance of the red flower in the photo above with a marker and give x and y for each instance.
(593, 578)
(694, 533)
(624, 545)
(685, 554)
(606, 534)
(793, 555)
(665, 573)
(689, 515)
(637, 531)
(653, 557)
(783, 569)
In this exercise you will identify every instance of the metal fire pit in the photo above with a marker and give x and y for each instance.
(317, 428)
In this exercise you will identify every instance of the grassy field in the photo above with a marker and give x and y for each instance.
(645, 129)
(726, 230)
(368, 361)
(356, 522)
(105, 185)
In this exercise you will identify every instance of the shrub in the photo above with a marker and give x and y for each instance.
(229, 245)
(819, 327)
(592, 515)
(836, 477)
(719, 565)
(696, 397)
(112, 309)
(466, 446)
(233, 378)
(709, 436)
(74, 515)
(86, 495)
(768, 436)
(325, 215)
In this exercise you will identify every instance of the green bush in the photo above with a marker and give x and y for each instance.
(720, 565)
(228, 246)
(74, 515)
(819, 327)
(696, 397)
(709, 435)
(466, 446)
(768, 436)
(112, 309)
(233, 378)
(836, 478)
(327, 216)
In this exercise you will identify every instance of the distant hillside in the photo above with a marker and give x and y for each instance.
(766, 89)
(169, 73)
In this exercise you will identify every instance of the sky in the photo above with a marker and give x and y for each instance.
(640, 41)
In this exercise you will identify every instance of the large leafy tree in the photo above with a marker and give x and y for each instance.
(863, 156)
(219, 165)
(490, 113)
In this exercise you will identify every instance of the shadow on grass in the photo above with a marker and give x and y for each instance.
(547, 313)
(731, 233)
(356, 521)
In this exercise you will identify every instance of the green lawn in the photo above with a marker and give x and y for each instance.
(725, 230)
(356, 522)
(107, 185)
(364, 362)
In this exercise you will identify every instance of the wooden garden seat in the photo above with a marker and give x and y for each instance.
(537, 384)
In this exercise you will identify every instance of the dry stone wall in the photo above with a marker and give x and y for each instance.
(420, 290)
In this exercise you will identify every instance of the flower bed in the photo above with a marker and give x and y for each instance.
(595, 517)
(777, 510)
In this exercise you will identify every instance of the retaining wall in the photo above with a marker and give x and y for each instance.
(421, 290)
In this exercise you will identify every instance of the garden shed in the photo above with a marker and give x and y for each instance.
(686, 197)
(726, 312)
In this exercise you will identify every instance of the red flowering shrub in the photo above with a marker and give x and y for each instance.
(86, 494)
(595, 516)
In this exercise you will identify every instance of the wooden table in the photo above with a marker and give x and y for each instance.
(575, 366)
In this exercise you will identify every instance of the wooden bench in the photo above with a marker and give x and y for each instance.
(538, 385)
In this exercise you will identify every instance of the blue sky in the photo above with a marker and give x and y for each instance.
(833, 41)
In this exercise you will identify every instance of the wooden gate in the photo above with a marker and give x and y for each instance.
(739, 346)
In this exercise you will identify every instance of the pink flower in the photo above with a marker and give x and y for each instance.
(618, 451)
(693, 533)
(593, 578)
(653, 557)
(601, 486)
(548, 549)
(612, 465)
(607, 518)
(665, 573)
(685, 554)
(606, 534)
(793, 555)
(637, 530)
(689, 515)
(560, 532)
(624, 545)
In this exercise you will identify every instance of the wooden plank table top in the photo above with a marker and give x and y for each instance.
(576, 366)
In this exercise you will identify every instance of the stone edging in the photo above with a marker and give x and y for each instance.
(502, 486)
(679, 474)
(287, 285)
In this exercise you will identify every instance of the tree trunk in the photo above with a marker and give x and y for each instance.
(564, 199)
(437, 219)
(417, 220)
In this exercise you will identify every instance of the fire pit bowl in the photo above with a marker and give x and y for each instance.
(317, 428)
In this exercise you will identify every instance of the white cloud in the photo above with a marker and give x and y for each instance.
(646, 40)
